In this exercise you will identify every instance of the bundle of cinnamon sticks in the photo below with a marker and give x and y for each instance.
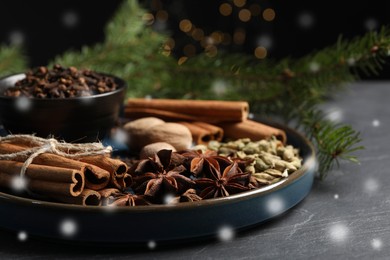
(206, 119)
(80, 181)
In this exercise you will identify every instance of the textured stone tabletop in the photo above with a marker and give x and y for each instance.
(346, 216)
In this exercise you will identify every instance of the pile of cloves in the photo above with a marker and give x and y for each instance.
(60, 82)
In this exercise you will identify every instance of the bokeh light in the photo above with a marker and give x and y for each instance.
(244, 15)
(185, 25)
(269, 14)
(260, 52)
(225, 9)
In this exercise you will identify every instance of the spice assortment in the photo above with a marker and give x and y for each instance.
(60, 82)
(180, 153)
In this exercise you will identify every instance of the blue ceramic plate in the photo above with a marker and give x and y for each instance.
(161, 223)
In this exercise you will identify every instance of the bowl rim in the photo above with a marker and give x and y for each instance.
(122, 86)
(309, 165)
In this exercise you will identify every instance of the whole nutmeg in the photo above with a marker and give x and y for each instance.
(137, 129)
(151, 149)
(175, 134)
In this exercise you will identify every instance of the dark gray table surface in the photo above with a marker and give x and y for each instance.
(347, 216)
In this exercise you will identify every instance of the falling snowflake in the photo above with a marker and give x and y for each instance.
(371, 24)
(23, 104)
(16, 37)
(376, 123)
(336, 196)
(225, 233)
(305, 20)
(335, 114)
(219, 87)
(68, 227)
(371, 185)
(314, 66)
(338, 232)
(169, 199)
(18, 183)
(152, 244)
(275, 205)
(376, 244)
(70, 19)
(265, 40)
(119, 136)
(351, 61)
(22, 236)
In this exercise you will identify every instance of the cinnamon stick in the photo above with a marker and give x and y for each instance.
(117, 169)
(87, 198)
(253, 130)
(41, 187)
(95, 177)
(203, 132)
(47, 175)
(210, 111)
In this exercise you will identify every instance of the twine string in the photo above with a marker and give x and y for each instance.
(37, 145)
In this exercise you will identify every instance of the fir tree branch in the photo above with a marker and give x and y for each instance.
(289, 88)
(11, 60)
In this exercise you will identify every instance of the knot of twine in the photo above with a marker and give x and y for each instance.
(41, 145)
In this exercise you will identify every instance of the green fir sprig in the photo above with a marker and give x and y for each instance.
(12, 60)
(290, 89)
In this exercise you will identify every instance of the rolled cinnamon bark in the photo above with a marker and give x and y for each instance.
(47, 175)
(87, 198)
(210, 111)
(115, 166)
(46, 188)
(203, 132)
(253, 130)
(117, 169)
(95, 177)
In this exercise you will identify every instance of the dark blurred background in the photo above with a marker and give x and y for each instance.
(266, 29)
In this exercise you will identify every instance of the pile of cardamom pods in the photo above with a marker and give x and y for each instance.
(268, 161)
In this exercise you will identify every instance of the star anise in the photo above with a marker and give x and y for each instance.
(201, 161)
(157, 176)
(126, 199)
(223, 181)
(188, 196)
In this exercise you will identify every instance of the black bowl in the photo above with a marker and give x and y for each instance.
(81, 119)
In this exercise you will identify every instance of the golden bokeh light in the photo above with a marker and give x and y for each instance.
(162, 15)
(197, 34)
(185, 25)
(182, 60)
(211, 51)
(244, 15)
(225, 9)
(269, 14)
(170, 43)
(217, 37)
(260, 52)
(239, 3)
(239, 36)
(148, 18)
